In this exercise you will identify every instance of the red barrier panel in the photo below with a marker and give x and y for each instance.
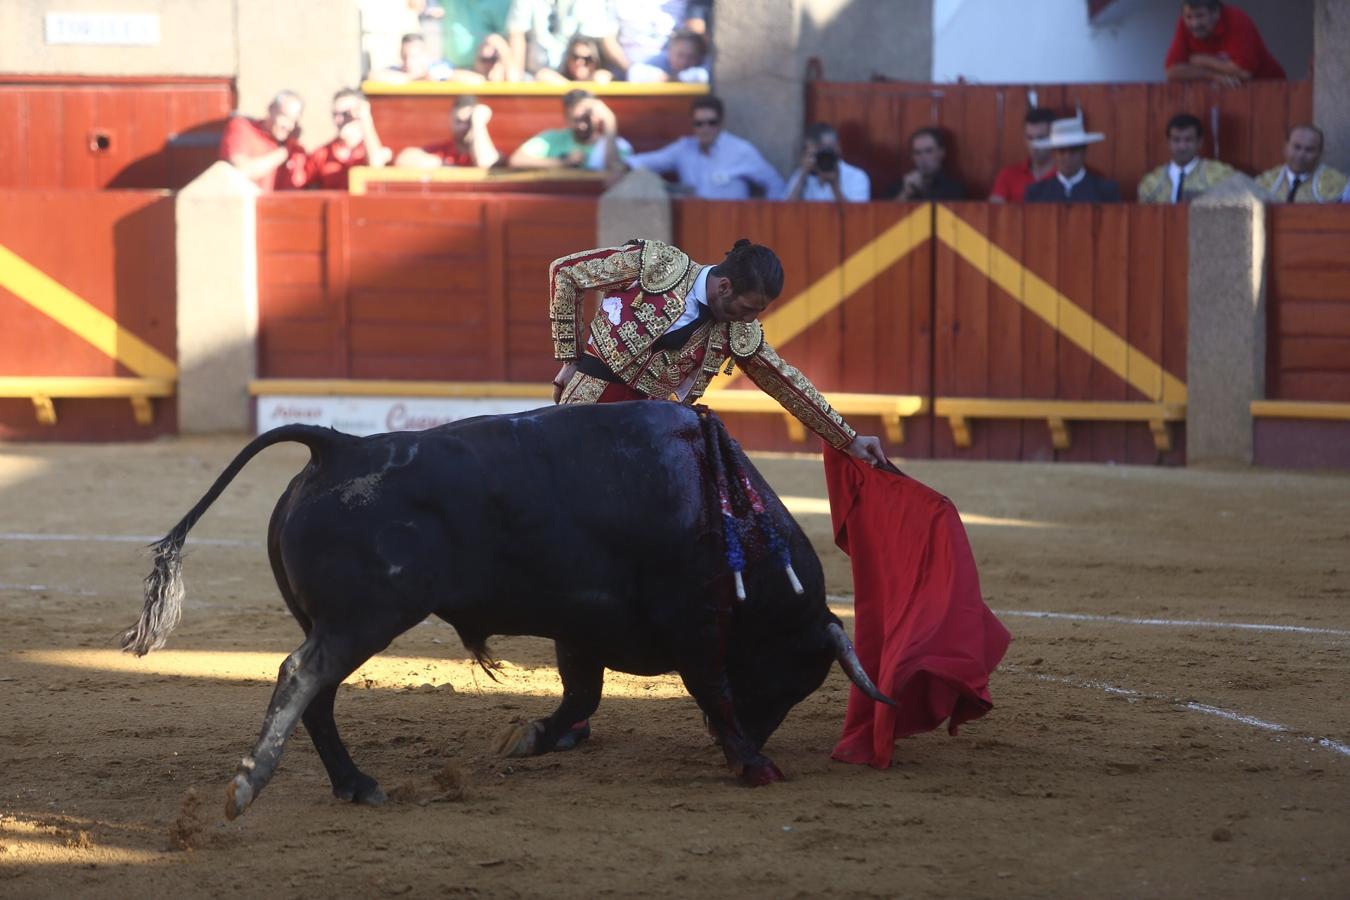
(1118, 273)
(1308, 298)
(1246, 125)
(69, 262)
(74, 132)
(878, 340)
(450, 289)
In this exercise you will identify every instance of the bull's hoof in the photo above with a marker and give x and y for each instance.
(519, 739)
(362, 789)
(760, 774)
(237, 797)
(575, 735)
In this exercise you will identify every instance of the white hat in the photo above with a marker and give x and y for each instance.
(1068, 133)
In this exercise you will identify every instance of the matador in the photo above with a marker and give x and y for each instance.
(666, 325)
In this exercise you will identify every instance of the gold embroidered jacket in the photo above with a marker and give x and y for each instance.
(1156, 186)
(1325, 185)
(646, 283)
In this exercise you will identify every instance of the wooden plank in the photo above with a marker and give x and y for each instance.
(1175, 295)
(1111, 296)
(861, 315)
(1291, 249)
(1236, 136)
(1005, 336)
(1300, 217)
(1136, 147)
(46, 128)
(1144, 312)
(1320, 386)
(1320, 353)
(494, 311)
(14, 140)
(1041, 255)
(1270, 108)
(1302, 317)
(1077, 268)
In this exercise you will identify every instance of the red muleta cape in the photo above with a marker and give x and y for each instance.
(921, 628)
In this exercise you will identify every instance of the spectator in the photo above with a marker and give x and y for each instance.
(357, 143)
(464, 24)
(645, 26)
(469, 144)
(416, 63)
(1218, 42)
(539, 30)
(927, 181)
(712, 163)
(492, 63)
(581, 62)
(267, 151)
(383, 23)
(1187, 176)
(823, 174)
(1303, 178)
(1072, 183)
(591, 140)
(1012, 182)
(682, 61)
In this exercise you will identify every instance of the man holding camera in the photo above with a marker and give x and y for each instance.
(822, 174)
(357, 143)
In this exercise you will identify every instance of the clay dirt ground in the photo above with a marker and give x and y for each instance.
(1121, 760)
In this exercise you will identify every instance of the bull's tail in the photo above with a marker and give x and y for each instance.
(164, 585)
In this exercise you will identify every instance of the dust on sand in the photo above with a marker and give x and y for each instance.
(1099, 772)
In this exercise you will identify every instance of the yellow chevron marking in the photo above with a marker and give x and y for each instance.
(1058, 311)
(804, 309)
(53, 299)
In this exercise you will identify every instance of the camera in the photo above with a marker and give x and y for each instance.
(827, 160)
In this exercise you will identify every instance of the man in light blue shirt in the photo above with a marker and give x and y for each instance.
(823, 174)
(712, 164)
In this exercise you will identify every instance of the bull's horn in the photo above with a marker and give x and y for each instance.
(848, 659)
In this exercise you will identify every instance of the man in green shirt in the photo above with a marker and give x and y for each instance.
(590, 140)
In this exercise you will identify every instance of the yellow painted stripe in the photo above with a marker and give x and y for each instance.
(834, 287)
(53, 299)
(1058, 311)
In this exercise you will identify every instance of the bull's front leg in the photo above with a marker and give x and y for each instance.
(583, 678)
(712, 692)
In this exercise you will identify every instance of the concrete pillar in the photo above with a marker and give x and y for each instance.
(312, 47)
(762, 49)
(1331, 78)
(638, 206)
(1226, 334)
(217, 247)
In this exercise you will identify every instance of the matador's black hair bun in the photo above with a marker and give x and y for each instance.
(753, 268)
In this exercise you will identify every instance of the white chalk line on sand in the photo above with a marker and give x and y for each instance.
(143, 539)
(1204, 708)
(1173, 623)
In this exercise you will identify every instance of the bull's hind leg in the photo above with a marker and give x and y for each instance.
(583, 678)
(316, 667)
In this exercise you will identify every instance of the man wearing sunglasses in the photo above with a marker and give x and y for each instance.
(713, 164)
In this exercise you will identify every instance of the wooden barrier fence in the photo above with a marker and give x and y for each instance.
(74, 132)
(1246, 125)
(386, 286)
(1305, 418)
(87, 315)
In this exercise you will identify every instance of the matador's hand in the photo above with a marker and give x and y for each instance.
(868, 448)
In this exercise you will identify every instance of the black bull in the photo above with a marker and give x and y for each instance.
(591, 525)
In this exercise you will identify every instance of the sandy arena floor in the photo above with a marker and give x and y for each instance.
(1203, 753)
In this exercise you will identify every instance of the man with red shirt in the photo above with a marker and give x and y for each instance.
(469, 144)
(1012, 182)
(267, 151)
(357, 143)
(1217, 42)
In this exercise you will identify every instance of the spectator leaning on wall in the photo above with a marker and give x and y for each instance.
(823, 174)
(590, 140)
(712, 163)
(1218, 42)
(469, 144)
(1187, 176)
(1072, 183)
(1012, 182)
(1303, 178)
(357, 143)
(267, 151)
(927, 180)
(682, 60)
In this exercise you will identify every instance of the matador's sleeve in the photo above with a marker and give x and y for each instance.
(570, 277)
(787, 385)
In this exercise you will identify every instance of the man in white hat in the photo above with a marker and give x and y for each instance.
(1072, 183)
